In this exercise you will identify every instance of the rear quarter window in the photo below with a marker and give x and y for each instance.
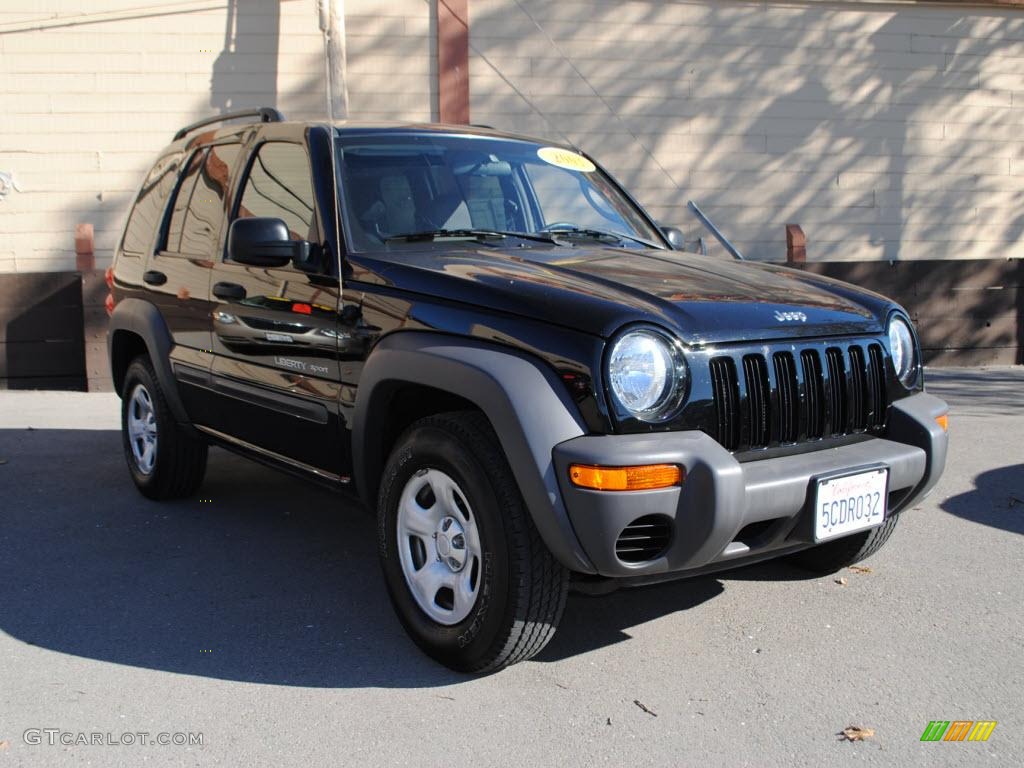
(147, 213)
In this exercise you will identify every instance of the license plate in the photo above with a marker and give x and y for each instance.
(849, 503)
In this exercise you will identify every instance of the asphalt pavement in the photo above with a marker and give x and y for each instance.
(253, 618)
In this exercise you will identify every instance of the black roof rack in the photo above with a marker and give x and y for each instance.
(265, 114)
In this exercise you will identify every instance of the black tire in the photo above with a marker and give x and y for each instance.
(842, 553)
(522, 588)
(180, 458)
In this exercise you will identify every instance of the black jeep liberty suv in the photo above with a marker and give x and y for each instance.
(490, 343)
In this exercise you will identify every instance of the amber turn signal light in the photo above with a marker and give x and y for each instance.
(642, 478)
(943, 421)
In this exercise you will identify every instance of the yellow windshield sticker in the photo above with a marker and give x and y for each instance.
(566, 158)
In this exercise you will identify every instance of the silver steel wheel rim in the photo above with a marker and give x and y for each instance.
(142, 429)
(439, 546)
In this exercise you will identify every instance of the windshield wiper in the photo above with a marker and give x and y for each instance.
(476, 234)
(601, 234)
(431, 234)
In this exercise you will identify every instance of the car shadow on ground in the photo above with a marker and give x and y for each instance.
(592, 622)
(997, 499)
(261, 578)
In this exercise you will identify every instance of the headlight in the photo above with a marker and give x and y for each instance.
(904, 353)
(646, 373)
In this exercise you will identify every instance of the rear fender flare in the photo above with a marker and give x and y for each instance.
(144, 320)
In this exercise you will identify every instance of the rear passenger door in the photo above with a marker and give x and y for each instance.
(178, 274)
(142, 231)
(275, 330)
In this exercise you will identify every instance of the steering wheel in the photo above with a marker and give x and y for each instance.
(559, 225)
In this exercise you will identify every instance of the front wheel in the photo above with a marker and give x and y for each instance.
(469, 576)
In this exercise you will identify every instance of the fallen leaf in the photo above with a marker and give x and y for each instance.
(856, 733)
(4, 744)
(841, 581)
(609, 721)
(859, 569)
(645, 709)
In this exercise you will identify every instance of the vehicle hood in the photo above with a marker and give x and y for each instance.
(597, 290)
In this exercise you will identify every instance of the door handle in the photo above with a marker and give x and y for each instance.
(153, 277)
(228, 291)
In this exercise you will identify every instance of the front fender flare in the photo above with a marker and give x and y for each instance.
(524, 401)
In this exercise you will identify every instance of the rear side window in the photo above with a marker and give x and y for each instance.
(147, 213)
(280, 186)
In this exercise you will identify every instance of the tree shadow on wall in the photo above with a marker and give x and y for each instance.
(873, 128)
(245, 71)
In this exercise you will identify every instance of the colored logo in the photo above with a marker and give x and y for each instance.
(958, 730)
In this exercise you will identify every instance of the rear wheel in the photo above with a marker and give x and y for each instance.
(469, 576)
(164, 460)
(841, 553)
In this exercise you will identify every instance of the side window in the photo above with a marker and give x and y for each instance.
(201, 227)
(280, 186)
(185, 187)
(146, 215)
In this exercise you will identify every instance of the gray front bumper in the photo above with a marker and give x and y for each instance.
(713, 511)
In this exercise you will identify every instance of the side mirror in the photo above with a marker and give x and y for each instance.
(675, 237)
(266, 242)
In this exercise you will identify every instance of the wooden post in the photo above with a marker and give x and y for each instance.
(453, 61)
(85, 248)
(796, 244)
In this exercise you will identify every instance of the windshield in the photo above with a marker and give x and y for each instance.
(399, 189)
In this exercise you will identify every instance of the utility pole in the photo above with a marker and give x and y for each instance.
(332, 24)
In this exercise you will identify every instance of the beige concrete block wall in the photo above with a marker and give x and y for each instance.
(90, 90)
(889, 131)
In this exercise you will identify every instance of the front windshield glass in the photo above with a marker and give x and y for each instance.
(399, 189)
